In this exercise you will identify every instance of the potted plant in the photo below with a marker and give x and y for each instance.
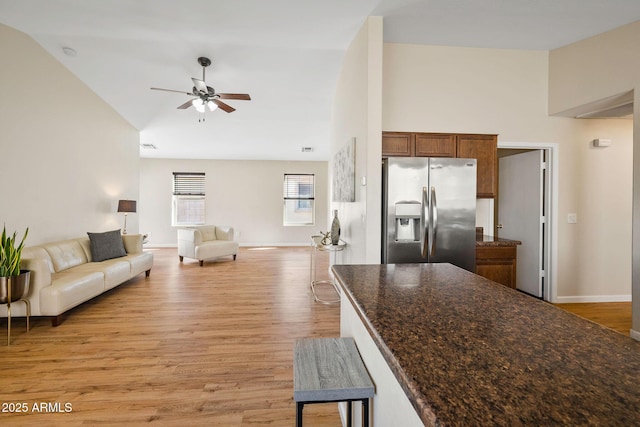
(14, 283)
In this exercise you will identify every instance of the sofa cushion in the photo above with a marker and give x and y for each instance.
(140, 262)
(65, 254)
(106, 245)
(68, 289)
(132, 243)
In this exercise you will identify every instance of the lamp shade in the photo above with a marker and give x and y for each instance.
(127, 206)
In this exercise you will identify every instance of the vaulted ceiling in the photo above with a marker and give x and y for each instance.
(285, 53)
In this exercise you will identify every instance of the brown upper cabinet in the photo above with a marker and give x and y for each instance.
(435, 145)
(473, 146)
(397, 144)
(484, 148)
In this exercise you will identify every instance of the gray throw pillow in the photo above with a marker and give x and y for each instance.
(106, 245)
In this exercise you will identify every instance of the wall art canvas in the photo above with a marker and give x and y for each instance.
(344, 173)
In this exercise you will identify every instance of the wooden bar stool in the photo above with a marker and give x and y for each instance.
(330, 370)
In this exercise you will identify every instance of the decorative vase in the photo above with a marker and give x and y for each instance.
(335, 229)
(14, 286)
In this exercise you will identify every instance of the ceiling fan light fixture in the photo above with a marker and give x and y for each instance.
(198, 104)
(212, 105)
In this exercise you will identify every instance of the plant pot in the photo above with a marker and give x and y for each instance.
(19, 286)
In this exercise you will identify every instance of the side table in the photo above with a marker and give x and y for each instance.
(317, 246)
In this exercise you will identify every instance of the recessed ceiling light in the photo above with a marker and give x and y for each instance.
(69, 51)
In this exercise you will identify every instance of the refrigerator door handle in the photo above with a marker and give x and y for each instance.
(424, 223)
(434, 223)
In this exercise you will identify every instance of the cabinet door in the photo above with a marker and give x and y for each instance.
(497, 264)
(397, 144)
(435, 145)
(483, 148)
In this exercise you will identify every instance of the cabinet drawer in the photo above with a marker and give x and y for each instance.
(496, 252)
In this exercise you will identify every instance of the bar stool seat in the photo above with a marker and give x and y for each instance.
(330, 370)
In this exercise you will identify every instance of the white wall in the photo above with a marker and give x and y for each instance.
(247, 195)
(67, 156)
(357, 114)
(596, 68)
(451, 89)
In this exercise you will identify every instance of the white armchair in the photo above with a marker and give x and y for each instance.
(206, 242)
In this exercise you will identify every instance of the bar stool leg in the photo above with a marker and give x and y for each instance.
(299, 407)
(349, 413)
(365, 415)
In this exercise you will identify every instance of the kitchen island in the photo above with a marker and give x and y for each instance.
(447, 347)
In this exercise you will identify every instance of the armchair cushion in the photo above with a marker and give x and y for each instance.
(208, 233)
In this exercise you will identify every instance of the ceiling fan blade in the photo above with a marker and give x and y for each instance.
(239, 96)
(200, 85)
(186, 104)
(225, 107)
(171, 90)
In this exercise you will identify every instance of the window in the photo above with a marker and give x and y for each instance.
(188, 198)
(299, 194)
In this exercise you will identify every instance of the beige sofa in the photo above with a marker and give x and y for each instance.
(206, 242)
(63, 274)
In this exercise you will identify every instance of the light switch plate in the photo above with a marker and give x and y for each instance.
(572, 218)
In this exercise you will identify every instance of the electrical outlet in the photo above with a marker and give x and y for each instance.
(572, 218)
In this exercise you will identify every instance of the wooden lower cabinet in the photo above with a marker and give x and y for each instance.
(497, 263)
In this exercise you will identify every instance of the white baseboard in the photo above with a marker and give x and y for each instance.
(593, 298)
(635, 335)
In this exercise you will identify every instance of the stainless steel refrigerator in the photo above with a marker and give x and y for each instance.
(429, 211)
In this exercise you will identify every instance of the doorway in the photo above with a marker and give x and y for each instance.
(526, 211)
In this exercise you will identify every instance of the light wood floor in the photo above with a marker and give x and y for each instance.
(188, 346)
(614, 315)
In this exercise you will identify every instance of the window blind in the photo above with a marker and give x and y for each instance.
(299, 187)
(299, 195)
(188, 183)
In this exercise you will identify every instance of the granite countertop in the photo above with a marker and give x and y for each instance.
(470, 352)
(484, 240)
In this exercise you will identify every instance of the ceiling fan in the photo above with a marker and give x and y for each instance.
(206, 96)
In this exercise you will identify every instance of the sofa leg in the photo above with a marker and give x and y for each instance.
(201, 263)
(181, 257)
(234, 257)
(56, 320)
(147, 273)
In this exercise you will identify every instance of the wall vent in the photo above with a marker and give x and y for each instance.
(307, 149)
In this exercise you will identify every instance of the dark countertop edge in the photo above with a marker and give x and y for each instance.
(485, 240)
(424, 412)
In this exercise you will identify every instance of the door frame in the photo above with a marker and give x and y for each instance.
(552, 149)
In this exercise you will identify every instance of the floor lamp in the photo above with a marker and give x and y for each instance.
(126, 206)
